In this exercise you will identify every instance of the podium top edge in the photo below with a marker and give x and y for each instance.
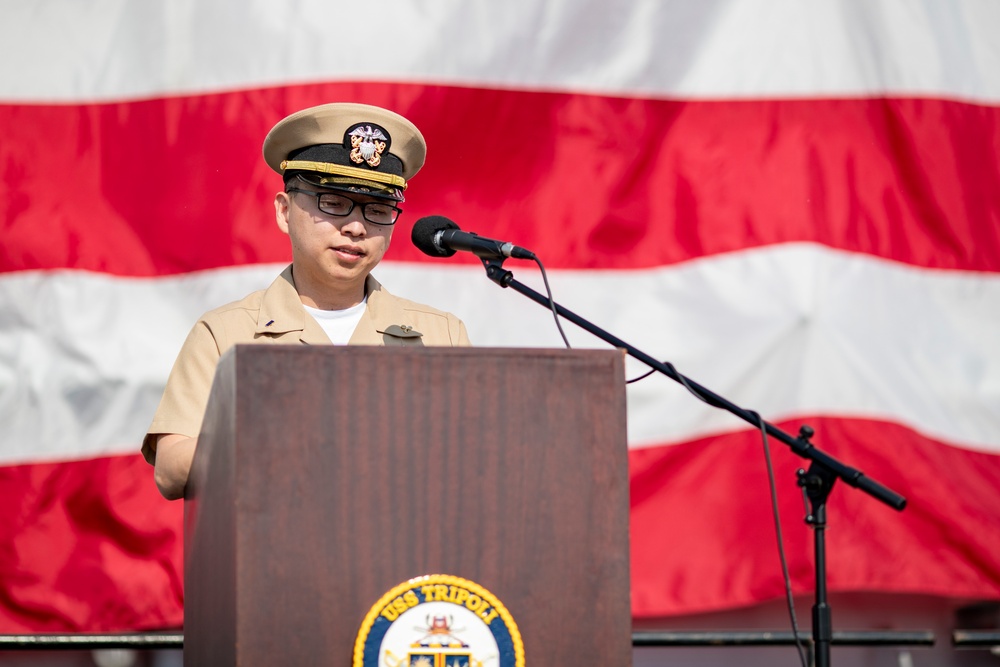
(244, 349)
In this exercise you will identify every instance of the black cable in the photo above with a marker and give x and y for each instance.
(781, 541)
(643, 376)
(552, 304)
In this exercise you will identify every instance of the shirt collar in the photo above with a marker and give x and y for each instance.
(281, 312)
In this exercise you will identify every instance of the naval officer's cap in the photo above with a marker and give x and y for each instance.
(348, 147)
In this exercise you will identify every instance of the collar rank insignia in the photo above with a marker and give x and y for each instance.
(367, 144)
(438, 621)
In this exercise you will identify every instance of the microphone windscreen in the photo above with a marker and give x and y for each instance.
(424, 231)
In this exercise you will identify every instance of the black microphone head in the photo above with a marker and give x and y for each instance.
(424, 231)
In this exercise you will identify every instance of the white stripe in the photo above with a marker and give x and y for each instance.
(785, 330)
(84, 356)
(789, 330)
(72, 51)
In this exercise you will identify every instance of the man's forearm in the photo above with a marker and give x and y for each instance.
(174, 454)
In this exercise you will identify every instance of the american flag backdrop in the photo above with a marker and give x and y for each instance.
(797, 204)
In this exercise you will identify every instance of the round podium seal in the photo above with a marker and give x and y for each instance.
(438, 620)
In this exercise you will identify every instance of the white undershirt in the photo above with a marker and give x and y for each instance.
(338, 324)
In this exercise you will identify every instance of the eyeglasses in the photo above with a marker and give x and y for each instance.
(376, 213)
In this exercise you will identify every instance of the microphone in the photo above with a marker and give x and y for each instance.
(437, 236)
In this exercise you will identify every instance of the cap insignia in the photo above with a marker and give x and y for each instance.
(367, 145)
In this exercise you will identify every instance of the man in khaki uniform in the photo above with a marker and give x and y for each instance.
(345, 167)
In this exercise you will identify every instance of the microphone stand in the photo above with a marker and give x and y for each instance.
(816, 483)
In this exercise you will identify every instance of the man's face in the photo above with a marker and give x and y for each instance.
(328, 248)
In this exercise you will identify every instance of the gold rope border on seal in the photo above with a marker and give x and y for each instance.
(376, 611)
(341, 170)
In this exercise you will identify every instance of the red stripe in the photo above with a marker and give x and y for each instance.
(88, 546)
(174, 185)
(703, 536)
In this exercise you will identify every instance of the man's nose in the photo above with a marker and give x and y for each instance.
(354, 223)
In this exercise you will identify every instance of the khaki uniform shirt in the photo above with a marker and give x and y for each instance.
(276, 315)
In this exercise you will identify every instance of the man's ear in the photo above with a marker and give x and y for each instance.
(282, 204)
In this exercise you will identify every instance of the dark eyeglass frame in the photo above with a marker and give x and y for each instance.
(364, 207)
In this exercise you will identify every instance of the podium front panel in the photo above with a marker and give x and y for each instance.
(326, 476)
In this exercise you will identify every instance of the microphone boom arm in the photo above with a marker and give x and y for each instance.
(800, 446)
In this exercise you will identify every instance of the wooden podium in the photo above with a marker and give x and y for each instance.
(326, 476)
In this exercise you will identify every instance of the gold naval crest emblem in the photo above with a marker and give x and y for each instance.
(367, 144)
